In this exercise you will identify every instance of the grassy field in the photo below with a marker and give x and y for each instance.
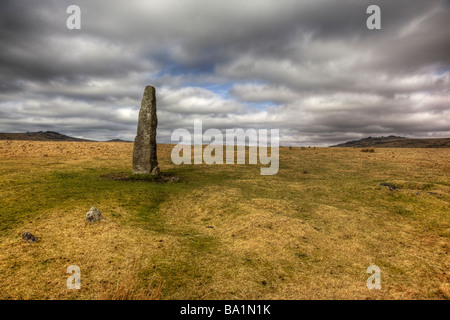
(224, 231)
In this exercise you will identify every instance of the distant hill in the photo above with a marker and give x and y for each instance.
(40, 136)
(118, 140)
(397, 142)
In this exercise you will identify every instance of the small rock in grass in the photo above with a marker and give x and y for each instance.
(93, 215)
(29, 237)
(391, 186)
(156, 171)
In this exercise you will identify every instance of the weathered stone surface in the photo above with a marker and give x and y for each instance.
(29, 237)
(156, 171)
(144, 152)
(93, 215)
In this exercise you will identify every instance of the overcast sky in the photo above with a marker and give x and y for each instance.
(310, 68)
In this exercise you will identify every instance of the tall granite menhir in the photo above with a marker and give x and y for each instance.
(145, 160)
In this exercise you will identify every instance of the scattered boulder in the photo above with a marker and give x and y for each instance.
(175, 179)
(93, 215)
(27, 236)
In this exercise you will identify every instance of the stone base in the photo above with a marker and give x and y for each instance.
(155, 172)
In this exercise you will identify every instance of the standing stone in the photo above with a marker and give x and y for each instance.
(145, 160)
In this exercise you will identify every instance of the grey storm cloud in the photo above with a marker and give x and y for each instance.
(310, 68)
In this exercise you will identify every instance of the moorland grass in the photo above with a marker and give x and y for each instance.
(224, 231)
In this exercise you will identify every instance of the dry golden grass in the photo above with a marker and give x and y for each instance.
(128, 288)
(224, 231)
(106, 252)
(445, 289)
